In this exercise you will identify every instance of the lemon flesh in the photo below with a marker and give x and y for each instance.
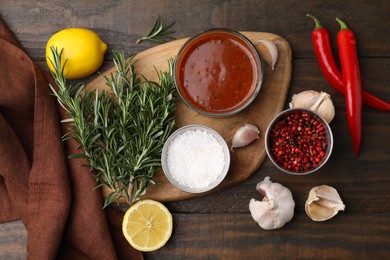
(147, 225)
(82, 48)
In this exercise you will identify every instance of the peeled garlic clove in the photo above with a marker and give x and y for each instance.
(245, 135)
(319, 102)
(323, 203)
(275, 209)
(268, 51)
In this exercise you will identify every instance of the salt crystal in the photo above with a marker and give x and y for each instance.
(195, 159)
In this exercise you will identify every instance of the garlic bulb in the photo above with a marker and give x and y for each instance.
(276, 208)
(316, 101)
(323, 203)
(245, 135)
(268, 51)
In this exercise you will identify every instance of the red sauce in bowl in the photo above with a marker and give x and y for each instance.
(218, 72)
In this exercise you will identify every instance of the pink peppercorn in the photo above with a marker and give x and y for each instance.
(298, 142)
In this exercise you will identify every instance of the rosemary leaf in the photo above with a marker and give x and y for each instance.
(159, 32)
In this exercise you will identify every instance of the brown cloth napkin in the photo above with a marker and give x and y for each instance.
(53, 196)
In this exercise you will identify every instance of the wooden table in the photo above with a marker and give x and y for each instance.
(219, 225)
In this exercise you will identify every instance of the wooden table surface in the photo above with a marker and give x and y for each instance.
(219, 225)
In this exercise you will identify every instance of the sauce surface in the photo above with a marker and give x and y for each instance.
(217, 72)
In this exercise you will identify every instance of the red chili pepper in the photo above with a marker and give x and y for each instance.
(323, 49)
(351, 78)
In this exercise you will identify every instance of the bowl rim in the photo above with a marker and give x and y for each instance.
(329, 136)
(253, 51)
(217, 136)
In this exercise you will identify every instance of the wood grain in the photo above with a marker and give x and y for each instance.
(120, 23)
(12, 240)
(236, 236)
(269, 102)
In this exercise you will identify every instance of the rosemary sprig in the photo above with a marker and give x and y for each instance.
(122, 133)
(159, 33)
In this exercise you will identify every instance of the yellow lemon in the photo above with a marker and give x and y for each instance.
(147, 225)
(82, 48)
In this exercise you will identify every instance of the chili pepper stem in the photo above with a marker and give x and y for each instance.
(343, 25)
(316, 21)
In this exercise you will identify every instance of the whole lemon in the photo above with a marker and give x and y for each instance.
(82, 48)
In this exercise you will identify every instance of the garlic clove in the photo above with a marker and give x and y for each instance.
(328, 193)
(275, 209)
(319, 102)
(269, 52)
(262, 215)
(326, 109)
(319, 213)
(323, 203)
(245, 135)
(304, 99)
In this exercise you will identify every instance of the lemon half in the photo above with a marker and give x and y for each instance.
(147, 225)
(82, 48)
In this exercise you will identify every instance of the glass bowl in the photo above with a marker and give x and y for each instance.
(298, 141)
(195, 158)
(218, 72)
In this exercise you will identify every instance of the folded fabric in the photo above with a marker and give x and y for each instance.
(53, 196)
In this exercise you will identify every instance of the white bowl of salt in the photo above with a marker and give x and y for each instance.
(195, 158)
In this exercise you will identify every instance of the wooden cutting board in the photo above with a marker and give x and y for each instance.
(270, 101)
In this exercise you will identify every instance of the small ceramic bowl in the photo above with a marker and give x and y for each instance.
(189, 163)
(218, 72)
(298, 141)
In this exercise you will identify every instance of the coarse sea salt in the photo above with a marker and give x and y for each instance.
(195, 159)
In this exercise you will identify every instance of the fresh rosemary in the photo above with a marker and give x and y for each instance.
(122, 133)
(159, 33)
